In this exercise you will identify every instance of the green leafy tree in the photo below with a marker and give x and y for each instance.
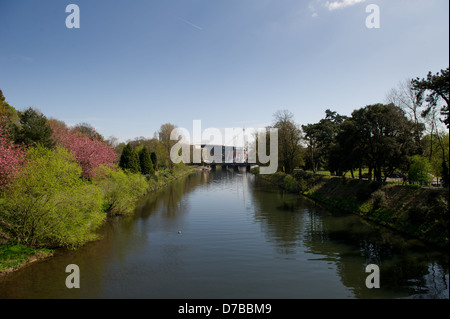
(166, 144)
(347, 154)
(419, 170)
(33, 129)
(48, 204)
(145, 162)
(321, 141)
(129, 160)
(8, 111)
(88, 130)
(387, 138)
(312, 137)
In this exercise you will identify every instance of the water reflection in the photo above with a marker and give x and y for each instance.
(296, 225)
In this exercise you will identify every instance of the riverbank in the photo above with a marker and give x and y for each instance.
(15, 256)
(418, 212)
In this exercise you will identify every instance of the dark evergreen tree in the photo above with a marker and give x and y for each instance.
(33, 129)
(154, 160)
(129, 160)
(145, 162)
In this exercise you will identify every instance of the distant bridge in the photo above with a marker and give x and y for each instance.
(234, 166)
(232, 158)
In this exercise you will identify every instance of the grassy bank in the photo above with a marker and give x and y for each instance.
(418, 212)
(15, 256)
(120, 191)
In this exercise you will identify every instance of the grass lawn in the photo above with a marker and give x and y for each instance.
(364, 171)
(14, 255)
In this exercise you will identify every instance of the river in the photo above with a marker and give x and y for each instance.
(226, 234)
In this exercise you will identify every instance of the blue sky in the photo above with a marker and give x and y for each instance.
(134, 65)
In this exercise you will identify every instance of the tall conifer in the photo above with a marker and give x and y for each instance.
(129, 159)
(146, 162)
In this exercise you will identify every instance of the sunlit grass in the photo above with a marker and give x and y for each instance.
(13, 255)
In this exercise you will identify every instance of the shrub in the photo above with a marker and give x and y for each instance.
(49, 204)
(379, 200)
(290, 184)
(306, 180)
(120, 189)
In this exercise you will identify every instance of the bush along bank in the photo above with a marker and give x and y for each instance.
(418, 212)
(59, 210)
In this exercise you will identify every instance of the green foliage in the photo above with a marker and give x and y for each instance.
(290, 184)
(121, 189)
(154, 160)
(7, 110)
(129, 160)
(385, 137)
(437, 151)
(379, 200)
(429, 218)
(88, 130)
(419, 170)
(145, 162)
(445, 174)
(33, 129)
(49, 204)
(413, 186)
(13, 255)
(289, 135)
(165, 144)
(321, 139)
(433, 90)
(307, 181)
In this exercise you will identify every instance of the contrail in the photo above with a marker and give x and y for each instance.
(191, 24)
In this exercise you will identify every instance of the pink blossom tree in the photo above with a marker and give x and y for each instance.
(11, 155)
(90, 153)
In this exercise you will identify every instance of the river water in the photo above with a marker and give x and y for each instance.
(226, 234)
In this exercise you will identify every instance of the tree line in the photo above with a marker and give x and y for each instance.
(59, 183)
(407, 134)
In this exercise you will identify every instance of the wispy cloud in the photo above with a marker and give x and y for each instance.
(312, 8)
(191, 24)
(315, 5)
(335, 5)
